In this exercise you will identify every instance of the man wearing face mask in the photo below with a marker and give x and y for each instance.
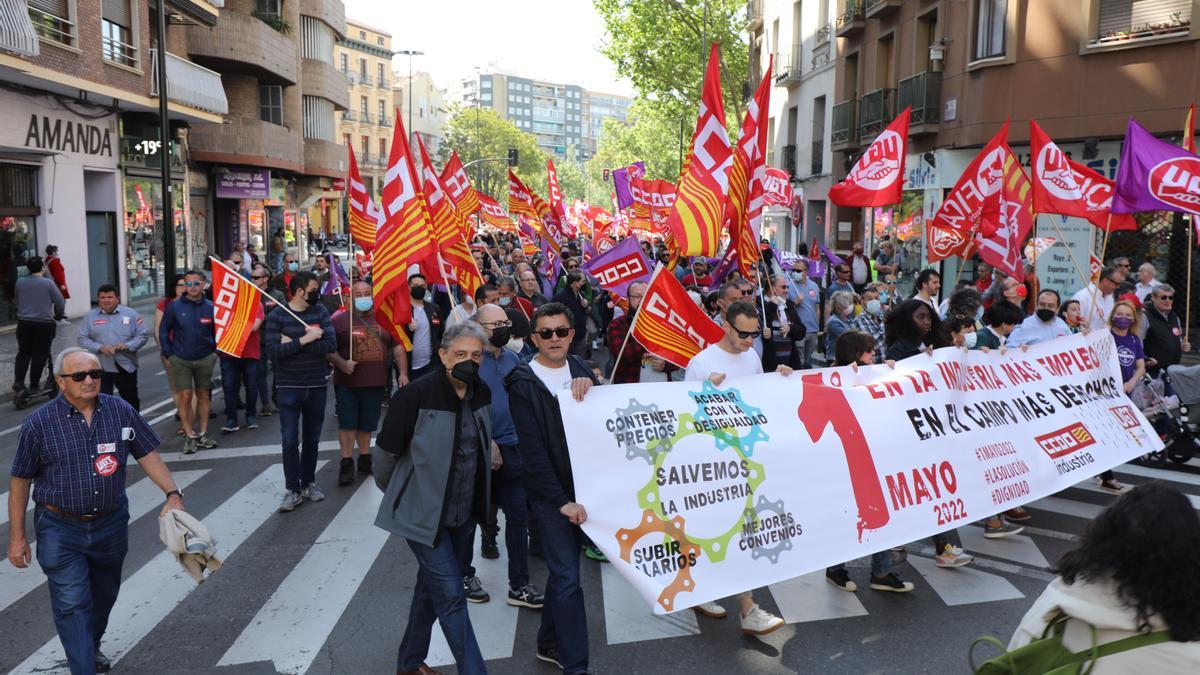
(425, 330)
(301, 378)
(871, 320)
(360, 378)
(511, 298)
(486, 294)
(808, 310)
(431, 457)
(283, 279)
(1042, 325)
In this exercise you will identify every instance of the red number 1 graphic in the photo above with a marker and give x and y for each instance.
(828, 405)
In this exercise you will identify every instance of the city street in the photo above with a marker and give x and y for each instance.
(321, 590)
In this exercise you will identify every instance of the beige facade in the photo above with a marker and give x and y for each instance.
(427, 119)
(364, 58)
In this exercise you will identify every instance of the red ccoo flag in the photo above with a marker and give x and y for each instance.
(743, 214)
(878, 176)
(669, 324)
(362, 214)
(493, 214)
(236, 307)
(1066, 187)
(696, 217)
(454, 257)
(458, 186)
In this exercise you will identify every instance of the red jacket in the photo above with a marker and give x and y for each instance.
(54, 264)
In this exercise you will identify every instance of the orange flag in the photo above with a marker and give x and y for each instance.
(493, 214)
(669, 324)
(744, 212)
(454, 257)
(458, 186)
(363, 217)
(236, 307)
(698, 213)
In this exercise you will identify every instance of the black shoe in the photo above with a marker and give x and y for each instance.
(841, 578)
(103, 665)
(346, 471)
(474, 590)
(549, 655)
(364, 465)
(488, 548)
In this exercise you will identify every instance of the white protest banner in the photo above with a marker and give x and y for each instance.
(696, 492)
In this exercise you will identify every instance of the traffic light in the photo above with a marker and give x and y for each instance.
(512, 157)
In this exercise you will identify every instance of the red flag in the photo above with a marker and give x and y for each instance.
(963, 208)
(455, 260)
(362, 214)
(698, 213)
(403, 240)
(1066, 187)
(556, 199)
(236, 307)
(493, 214)
(777, 187)
(1009, 216)
(743, 213)
(458, 186)
(525, 202)
(1189, 130)
(878, 176)
(652, 202)
(669, 324)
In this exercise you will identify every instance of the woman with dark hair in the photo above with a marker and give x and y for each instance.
(911, 328)
(966, 301)
(1069, 313)
(573, 298)
(1134, 572)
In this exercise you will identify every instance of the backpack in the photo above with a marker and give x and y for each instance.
(1048, 656)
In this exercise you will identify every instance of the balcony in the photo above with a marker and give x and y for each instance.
(349, 116)
(241, 44)
(754, 14)
(324, 158)
(823, 34)
(331, 12)
(189, 84)
(923, 92)
(875, 111)
(818, 157)
(851, 21)
(881, 8)
(789, 160)
(382, 83)
(844, 133)
(364, 117)
(248, 141)
(385, 121)
(787, 67)
(323, 80)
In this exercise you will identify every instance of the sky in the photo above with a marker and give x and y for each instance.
(555, 40)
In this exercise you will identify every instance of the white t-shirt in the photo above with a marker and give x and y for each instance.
(422, 352)
(555, 379)
(713, 359)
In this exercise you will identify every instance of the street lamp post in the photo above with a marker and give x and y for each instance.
(410, 53)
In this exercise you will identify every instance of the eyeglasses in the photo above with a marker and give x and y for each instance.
(744, 334)
(746, 294)
(547, 333)
(259, 276)
(85, 374)
(1165, 298)
(193, 284)
(493, 325)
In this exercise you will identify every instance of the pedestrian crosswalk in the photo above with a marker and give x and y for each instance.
(291, 624)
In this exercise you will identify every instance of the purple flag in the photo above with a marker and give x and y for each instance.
(621, 178)
(1155, 176)
(550, 261)
(620, 266)
(727, 264)
(830, 255)
(337, 277)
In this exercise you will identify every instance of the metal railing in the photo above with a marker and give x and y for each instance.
(51, 27)
(385, 121)
(845, 123)
(366, 116)
(382, 83)
(818, 157)
(116, 51)
(189, 83)
(787, 65)
(923, 92)
(349, 116)
(789, 160)
(876, 110)
(823, 34)
(852, 12)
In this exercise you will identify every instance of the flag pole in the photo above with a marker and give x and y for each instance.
(631, 325)
(350, 309)
(282, 305)
(1187, 309)
(1103, 252)
(1062, 237)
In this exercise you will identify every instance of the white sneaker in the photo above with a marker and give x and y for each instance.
(952, 556)
(711, 609)
(760, 621)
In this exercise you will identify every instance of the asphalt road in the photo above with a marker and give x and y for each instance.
(321, 590)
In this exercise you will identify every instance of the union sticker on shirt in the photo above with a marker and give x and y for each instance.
(106, 447)
(106, 465)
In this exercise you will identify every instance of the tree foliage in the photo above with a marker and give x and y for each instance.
(482, 133)
(651, 136)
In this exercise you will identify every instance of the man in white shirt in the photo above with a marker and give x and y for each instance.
(929, 284)
(1042, 325)
(1146, 280)
(734, 356)
(1096, 316)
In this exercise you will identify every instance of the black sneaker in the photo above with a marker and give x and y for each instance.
(364, 465)
(549, 655)
(346, 471)
(474, 590)
(103, 665)
(488, 547)
(841, 578)
(890, 582)
(525, 596)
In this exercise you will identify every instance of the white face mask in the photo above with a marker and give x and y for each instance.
(970, 339)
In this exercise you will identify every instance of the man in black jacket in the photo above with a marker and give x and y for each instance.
(562, 638)
(1164, 342)
(425, 331)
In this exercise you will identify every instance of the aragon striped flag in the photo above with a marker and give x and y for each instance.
(493, 214)
(361, 207)
(669, 324)
(697, 216)
(455, 258)
(236, 306)
(744, 212)
(520, 199)
(403, 240)
(458, 186)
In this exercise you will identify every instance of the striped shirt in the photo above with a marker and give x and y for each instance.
(300, 365)
(81, 469)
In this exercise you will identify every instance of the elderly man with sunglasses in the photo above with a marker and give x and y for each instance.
(72, 452)
(1164, 342)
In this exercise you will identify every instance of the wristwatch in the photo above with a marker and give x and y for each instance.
(175, 492)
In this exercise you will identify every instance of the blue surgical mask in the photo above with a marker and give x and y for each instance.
(874, 307)
(883, 296)
(293, 266)
(363, 304)
(970, 339)
(505, 301)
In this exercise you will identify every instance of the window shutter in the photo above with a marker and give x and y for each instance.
(117, 11)
(57, 8)
(1123, 16)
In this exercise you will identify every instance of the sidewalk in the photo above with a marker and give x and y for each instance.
(64, 337)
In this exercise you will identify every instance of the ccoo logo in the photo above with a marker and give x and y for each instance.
(880, 166)
(1176, 181)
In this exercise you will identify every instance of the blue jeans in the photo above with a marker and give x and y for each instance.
(881, 564)
(564, 619)
(234, 373)
(508, 488)
(300, 466)
(82, 562)
(264, 391)
(438, 594)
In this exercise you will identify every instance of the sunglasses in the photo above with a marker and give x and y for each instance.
(84, 374)
(744, 334)
(547, 333)
(1166, 298)
(259, 276)
(193, 284)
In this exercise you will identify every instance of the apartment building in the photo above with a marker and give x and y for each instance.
(427, 118)
(365, 58)
(80, 149)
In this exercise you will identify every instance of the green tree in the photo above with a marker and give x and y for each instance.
(481, 133)
(652, 137)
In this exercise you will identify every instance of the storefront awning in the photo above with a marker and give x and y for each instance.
(16, 29)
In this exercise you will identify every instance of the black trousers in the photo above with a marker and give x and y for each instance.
(126, 383)
(34, 340)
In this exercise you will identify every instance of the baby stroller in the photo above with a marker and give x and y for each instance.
(1169, 414)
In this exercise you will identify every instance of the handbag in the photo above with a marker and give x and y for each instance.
(1048, 656)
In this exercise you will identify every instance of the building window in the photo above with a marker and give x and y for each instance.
(52, 20)
(116, 26)
(346, 140)
(362, 35)
(365, 147)
(362, 70)
(991, 20)
(379, 40)
(379, 75)
(1121, 20)
(270, 103)
(362, 105)
(344, 63)
(382, 110)
(264, 9)
(383, 149)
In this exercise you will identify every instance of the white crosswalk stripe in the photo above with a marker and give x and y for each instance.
(628, 619)
(811, 598)
(964, 585)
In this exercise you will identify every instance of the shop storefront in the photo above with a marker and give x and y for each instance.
(18, 234)
(142, 221)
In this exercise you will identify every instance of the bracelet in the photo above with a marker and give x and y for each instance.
(175, 492)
